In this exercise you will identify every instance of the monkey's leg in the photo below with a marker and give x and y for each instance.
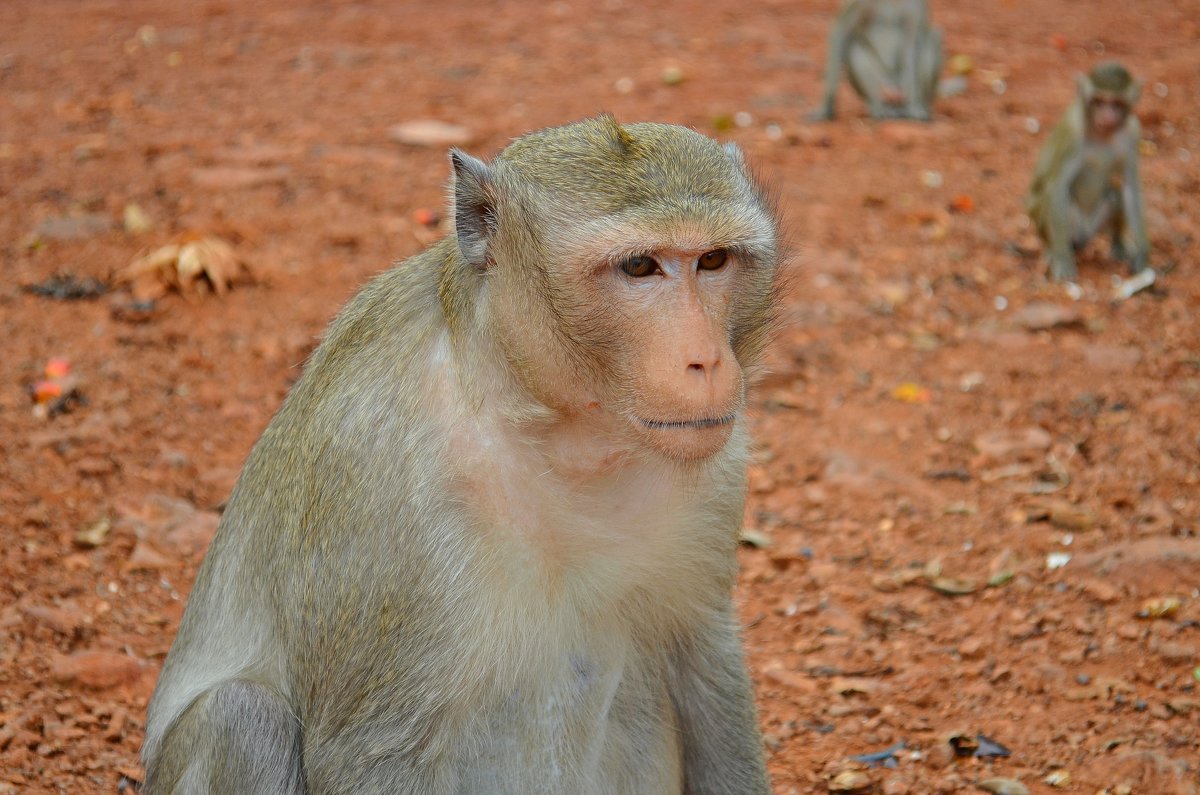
(833, 75)
(929, 67)
(238, 737)
(1124, 242)
(1063, 228)
(1105, 216)
(1122, 247)
(1061, 253)
(873, 81)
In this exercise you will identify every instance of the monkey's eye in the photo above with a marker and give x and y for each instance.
(1117, 105)
(640, 267)
(712, 260)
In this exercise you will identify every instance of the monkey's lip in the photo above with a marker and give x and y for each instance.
(680, 425)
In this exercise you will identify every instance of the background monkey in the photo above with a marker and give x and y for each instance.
(890, 53)
(487, 543)
(1086, 179)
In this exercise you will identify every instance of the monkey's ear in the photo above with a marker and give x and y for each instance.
(1133, 93)
(474, 207)
(735, 154)
(1085, 85)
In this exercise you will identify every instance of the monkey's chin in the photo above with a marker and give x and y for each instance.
(687, 440)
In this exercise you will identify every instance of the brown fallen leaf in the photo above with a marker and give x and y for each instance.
(1070, 517)
(1161, 607)
(183, 266)
(850, 781)
(953, 586)
(94, 534)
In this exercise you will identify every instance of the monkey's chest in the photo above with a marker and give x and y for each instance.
(577, 727)
(1098, 178)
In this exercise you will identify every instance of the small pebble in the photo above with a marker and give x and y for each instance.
(1177, 653)
(672, 75)
(1003, 786)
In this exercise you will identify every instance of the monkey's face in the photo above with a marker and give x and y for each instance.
(651, 342)
(1106, 115)
(629, 277)
(676, 378)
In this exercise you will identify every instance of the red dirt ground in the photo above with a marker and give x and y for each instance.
(938, 416)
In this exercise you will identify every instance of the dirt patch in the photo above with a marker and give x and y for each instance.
(968, 485)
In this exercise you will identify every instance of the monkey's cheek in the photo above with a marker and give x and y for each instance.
(688, 444)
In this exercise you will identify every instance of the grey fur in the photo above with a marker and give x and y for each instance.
(364, 623)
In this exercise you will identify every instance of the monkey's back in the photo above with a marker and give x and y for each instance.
(1051, 159)
(296, 492)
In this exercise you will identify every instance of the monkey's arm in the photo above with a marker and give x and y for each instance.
(1060, 221)
(847, 23)
(1135, 245)
(714, 703)
(237, 737)
(916, 38)
(1051, 199)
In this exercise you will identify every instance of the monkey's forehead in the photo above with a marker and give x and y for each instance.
(607, 167)
(611, 141)
(662, 189)
(1111, 76)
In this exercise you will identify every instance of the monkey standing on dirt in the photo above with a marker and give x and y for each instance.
(488, 542)
(1086, 179)
(890, 53)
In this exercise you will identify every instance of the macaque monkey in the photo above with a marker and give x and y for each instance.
(1086, 179)
(488, 542)
(890, 53)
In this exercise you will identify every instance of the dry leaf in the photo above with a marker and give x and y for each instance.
(183, 266)
(1162, 607)
(94, 534)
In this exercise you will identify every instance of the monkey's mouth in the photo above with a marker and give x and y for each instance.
(679, 425)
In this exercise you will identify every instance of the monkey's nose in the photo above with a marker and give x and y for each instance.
(705, 369)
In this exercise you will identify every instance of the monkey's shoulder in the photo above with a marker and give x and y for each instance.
(387, 323)
(399, 292)
(1059, 143)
